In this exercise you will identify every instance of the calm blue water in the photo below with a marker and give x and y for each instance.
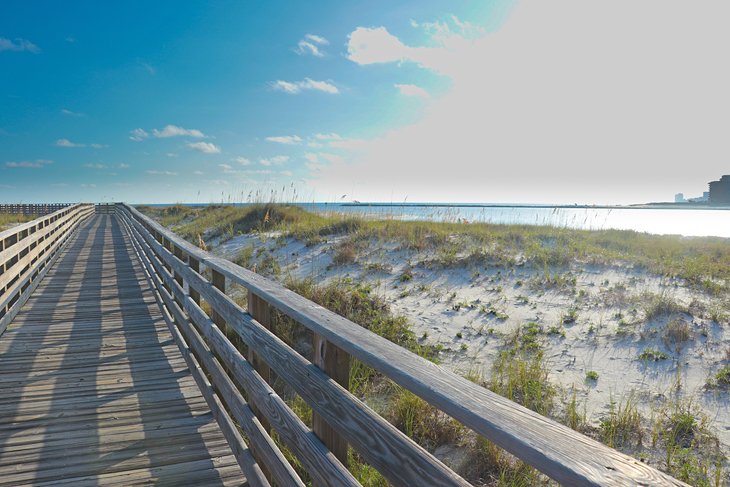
(675, 221)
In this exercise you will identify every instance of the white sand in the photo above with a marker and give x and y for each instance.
(430, 302)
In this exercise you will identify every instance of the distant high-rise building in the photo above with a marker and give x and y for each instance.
(720, 191)
(679, 198)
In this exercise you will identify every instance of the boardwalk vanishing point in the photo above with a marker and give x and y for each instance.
(124, 362)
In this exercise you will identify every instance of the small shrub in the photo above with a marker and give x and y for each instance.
(677, 332)
(346, 253)
(592, 375)
(652, 354)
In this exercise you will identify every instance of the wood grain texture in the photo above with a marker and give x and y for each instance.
(561, 453)
(397, 457)
(322, 465)
(93, 391)
(261, 443)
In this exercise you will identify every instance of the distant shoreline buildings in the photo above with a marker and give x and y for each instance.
(720, 192)
(718, 195)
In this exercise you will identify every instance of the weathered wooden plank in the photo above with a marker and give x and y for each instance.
(319, 462)
(261, 443)
(90, 388)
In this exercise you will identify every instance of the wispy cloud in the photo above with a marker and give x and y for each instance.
(138, 134)
(6, 186)
(156, 172)
(205, 147)
(175, 131)
(307, 84)
(311, 44)
(124, 166)
(18, 45)
(95, 166)
(38, 163)
(273, 161)
(70, 113)
(167, 131)
(242, 161)
(412, 90)
(89, 185)
(149, 68)
(68, 144)
(285, 139)
(198, 173)
(227, 168)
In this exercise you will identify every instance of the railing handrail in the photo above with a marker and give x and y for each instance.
(558, 451)
(26, 225)
(26, 252)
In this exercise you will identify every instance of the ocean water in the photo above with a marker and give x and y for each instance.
(670, 220)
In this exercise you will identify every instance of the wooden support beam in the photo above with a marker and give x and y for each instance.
(336, 364)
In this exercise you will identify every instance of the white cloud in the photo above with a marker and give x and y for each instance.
(333, 158)
(377, 45)
(70, 113)
(330, 136)
(532, 115)
(95, 166)
(161, 173)
(412, 90)
(123, 166)
(85, 185)
(273, 161)
(296, 87)
(304, 47)
(242, 161)
(287, 173)
(138, 134)
(227, 168)
(317, 39)
(205, 147)
(175, 131)
(285, 139)
(68, 143)
(38, 163)
(18, 45)
(311, 44)
(198, 173)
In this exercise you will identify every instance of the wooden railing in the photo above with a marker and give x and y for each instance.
(27, 252)
(237, 389)
(32, 208)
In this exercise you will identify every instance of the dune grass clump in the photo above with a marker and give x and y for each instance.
(623, 423)
(704, 262)
(11, 219)
(652, 355)
(520, 373)
(345, 253)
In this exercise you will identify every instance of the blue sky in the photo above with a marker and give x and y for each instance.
(381, 101)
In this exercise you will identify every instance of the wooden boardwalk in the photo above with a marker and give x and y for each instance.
(93, 390)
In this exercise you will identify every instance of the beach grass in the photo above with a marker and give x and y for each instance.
(703, 262)
(10, 219)
(520, 370)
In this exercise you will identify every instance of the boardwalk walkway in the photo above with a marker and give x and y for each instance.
(93, 390)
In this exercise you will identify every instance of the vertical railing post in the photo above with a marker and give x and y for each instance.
(177, 276)
(336, 364)
(194, 265)
(261, 312)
